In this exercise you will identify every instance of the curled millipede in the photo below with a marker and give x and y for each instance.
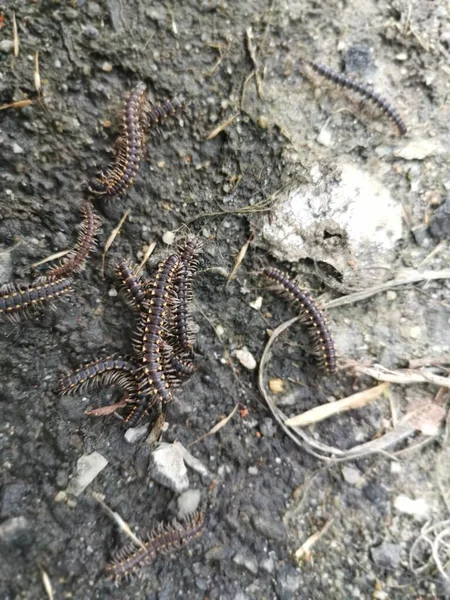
(153, 386)
(311, 315)
(120, 174)
(76, 259)
(132, 284)
(18, 300)
(364, 90)
(116, 370)
(131, 559)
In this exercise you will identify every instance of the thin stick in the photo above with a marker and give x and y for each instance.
(145, 258)
(18, 104)
(37, 75)
(217, 426)
(215, 132)
(15, 35)
(251, 51)
(325, 411)
(403, 376)
(114, 233)
(123, 525)
(406, 277)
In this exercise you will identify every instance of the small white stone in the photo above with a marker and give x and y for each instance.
(17, 149)
(253, 470)
(168, 238)
(6, 45)
(391, 295)
(188, 502)
(246, 358)
(402, 56)
(256, 304)
(107, 67)
(219, 331)
(416, 508)
(168, 468)
(112, 292)
(396, 467)
(420, 149)
(415, 332)
(192, 462)
(325, 137)
(88, 467)
(134, 434)
(351, 475)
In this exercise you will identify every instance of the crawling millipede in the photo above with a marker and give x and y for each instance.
(18, 300)
(164, 538)
(107, 371)
(158, 113)
(153, 387)
(120, 174)
(132, 284)
(76, 259)
(311, 315)
(362, 89)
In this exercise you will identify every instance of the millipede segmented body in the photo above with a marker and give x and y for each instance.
(158, 113)
(311, 315)
(153, 386)
(76, 259)
(18, 300)
(132, 284)
(364, 90)
(120, 175)
(166, 537)
(116, 370)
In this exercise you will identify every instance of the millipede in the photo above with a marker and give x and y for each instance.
(364, 90)
(17, 300)
(166, 537)
(183, 284)
(311, 315)
(153, 386)
(111, 370)
(158, 114)
(132, 284)
(75, 261)
(120, 174)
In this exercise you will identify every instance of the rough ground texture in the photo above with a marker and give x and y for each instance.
(265, 496)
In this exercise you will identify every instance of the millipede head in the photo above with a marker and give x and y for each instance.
(97, 186)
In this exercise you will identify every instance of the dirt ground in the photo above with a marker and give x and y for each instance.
(265, 496)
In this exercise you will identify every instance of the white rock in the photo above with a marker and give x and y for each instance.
(6, 45)
(349, 221)
(88, 467)
(246, 358)
(351, 475)
(415, 332)
(192, 462)
(17, 149)
(168, 469)
(257, 303)
(5, 267)
(419, 149)
(134, 434)
(168, 237)
(325, 137)
(416, 508)
(188, 502)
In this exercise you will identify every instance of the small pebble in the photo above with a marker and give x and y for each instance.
(219, 331)
(6, 45)
(246, 358)
(253, 470)
(88, 467)
(107, 67)
(168, 237)
(325, 137)
(351, 475)
(416, 508)
(414, 332)
(263, 122)
(188, 502)
(256, 304)
(168, 468)
(17, 149)
(134, 434)
(112, 293)
(391, 295)
(276, 386)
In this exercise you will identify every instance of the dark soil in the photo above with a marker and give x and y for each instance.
(265, 496)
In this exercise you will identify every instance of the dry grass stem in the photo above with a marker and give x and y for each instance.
(15, 35)
(406, 277)
(305, 549)
(106, 410)
(215, 132)
(18, 104)
(47, 584)
(239, 258)
(325, 411)
(217, 426)
(251, 51)
(145, 258)
(114, 233)
(49, 258)
(37, 75)
(123, 525)
(403, 376)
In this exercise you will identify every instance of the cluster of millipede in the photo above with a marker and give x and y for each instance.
(163, 355)
(163, 340)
